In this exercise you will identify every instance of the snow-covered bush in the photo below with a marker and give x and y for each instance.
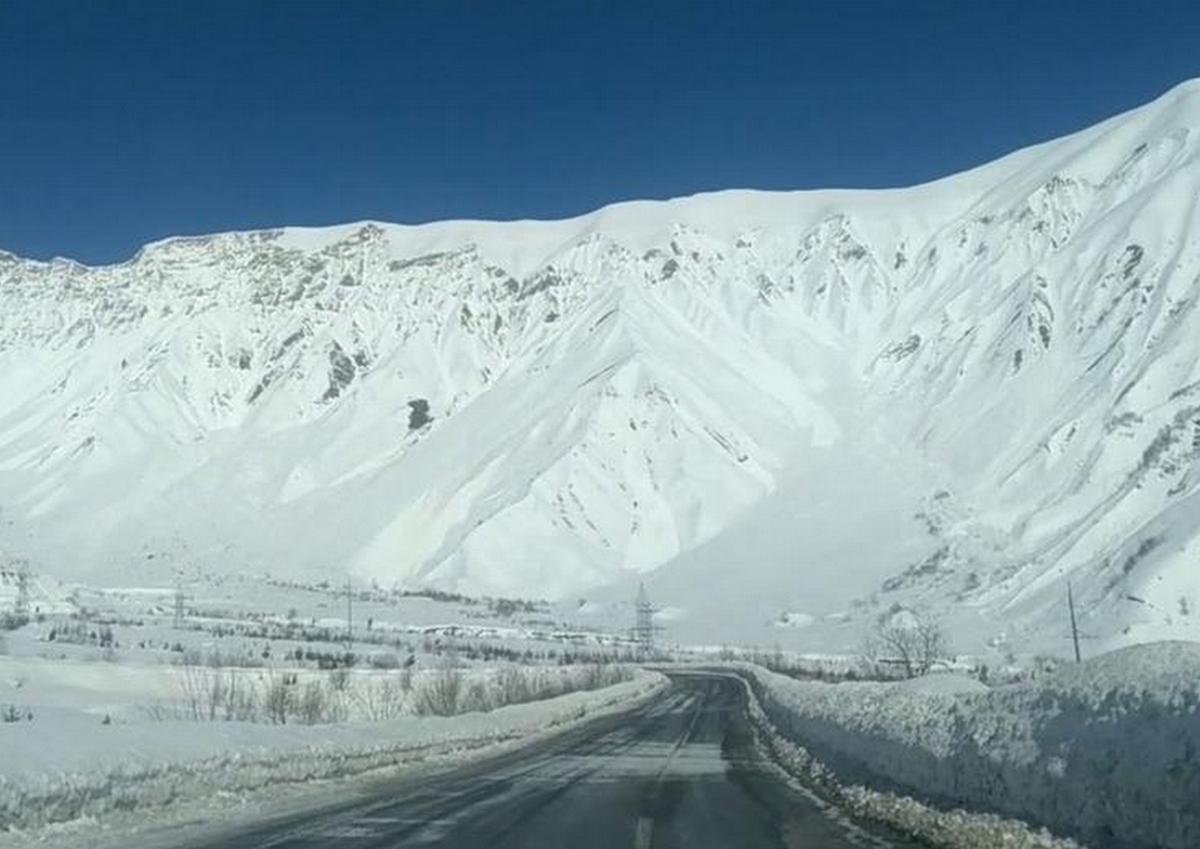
(1107, 751)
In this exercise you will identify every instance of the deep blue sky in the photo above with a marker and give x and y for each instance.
(126, 122)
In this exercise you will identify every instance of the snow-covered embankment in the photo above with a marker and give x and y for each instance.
(1107, 751)
(196, 760)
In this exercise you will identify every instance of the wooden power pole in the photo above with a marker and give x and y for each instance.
(349, 617)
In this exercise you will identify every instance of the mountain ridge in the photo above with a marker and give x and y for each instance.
(1188, 88)
(611, 397)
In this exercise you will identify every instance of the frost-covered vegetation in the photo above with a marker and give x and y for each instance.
(278, 697)
(1107, 751)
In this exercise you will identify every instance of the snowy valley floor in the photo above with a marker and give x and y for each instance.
(54, 791)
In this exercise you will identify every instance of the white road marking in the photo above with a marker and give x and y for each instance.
(643, 834)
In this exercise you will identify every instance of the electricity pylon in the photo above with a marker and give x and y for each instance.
(644, 627)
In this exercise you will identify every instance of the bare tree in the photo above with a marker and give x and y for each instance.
(906, 638)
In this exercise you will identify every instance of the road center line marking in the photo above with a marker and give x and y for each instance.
(643, 833)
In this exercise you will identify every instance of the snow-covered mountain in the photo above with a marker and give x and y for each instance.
(777, 406)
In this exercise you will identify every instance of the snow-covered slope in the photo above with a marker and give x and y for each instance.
(958, 394)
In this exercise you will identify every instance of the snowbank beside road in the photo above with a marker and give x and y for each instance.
(153, 764)
(1107, 751)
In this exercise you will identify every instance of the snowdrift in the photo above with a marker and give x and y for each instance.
(1107, 751)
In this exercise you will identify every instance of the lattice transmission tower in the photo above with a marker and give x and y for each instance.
(644, 628)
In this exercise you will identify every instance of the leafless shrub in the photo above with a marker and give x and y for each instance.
(339, 678)
(241, 699)
(279, 697)
(516, 685)
(512, 686)
(476, 699)
(159, 712)
(211, 694)
(381, 697)
(312, 706)
(194, 685)
(597, 676)
(548, 683)
(439, 694)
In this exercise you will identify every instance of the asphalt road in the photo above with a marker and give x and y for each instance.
(680, 771)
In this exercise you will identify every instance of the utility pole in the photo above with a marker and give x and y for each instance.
(1074, 627)
(179, 599)
(23, 581)
(349, 617)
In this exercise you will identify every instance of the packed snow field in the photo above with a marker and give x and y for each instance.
(1107, 752)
